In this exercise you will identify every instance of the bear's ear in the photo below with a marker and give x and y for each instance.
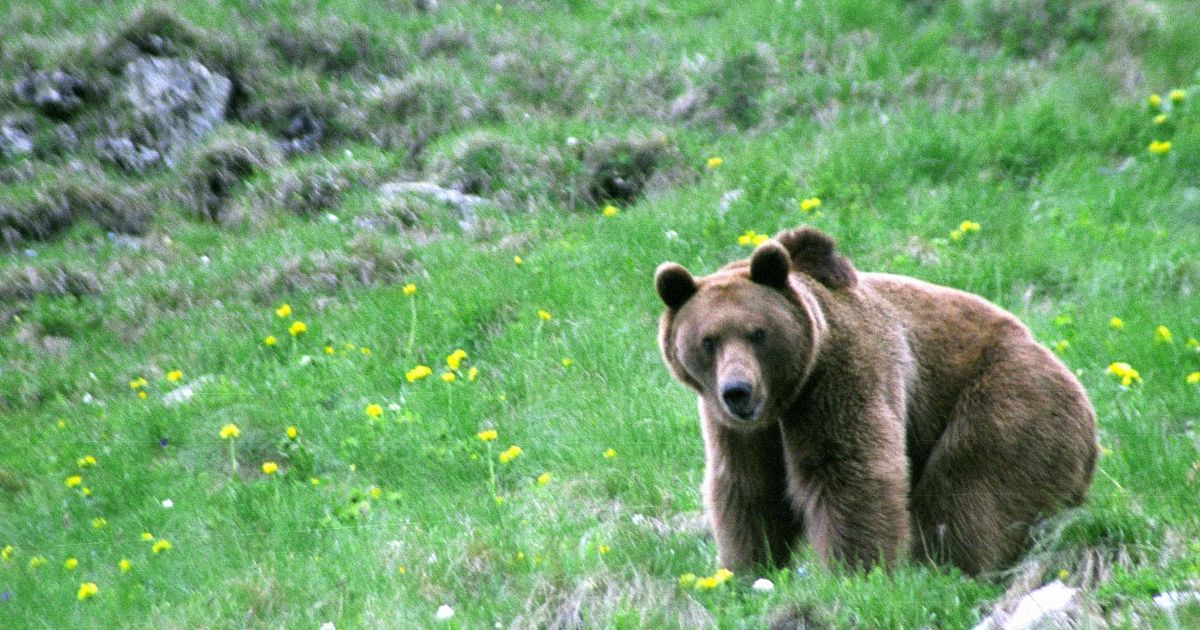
(675, 285)
(769, 265)
(815, 253)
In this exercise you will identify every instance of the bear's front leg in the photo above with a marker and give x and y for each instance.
(853, 493)
(745, 495)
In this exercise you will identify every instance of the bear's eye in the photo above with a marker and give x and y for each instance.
(709, 343)
(758, 335)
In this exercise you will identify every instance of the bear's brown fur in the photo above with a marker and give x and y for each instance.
(877, 414)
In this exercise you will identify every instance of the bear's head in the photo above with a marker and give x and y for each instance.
(747, 337)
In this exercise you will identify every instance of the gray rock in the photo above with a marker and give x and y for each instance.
(430, 190)
(57, 94)
(1174, 599)
(1054, 605)
(175, 101)
(126, 155)
(14, 141)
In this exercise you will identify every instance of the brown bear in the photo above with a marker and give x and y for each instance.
(877, 414)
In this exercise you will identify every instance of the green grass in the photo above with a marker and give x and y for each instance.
(902, 123)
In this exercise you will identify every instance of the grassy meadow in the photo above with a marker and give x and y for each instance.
(1002, 147)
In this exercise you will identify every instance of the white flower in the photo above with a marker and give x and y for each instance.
(305, 360)
(167, 503)
(394, 407)
(763, 585)
(328, 625)
(331, 217)
(444, 612)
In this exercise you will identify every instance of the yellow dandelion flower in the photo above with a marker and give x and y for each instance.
(544, 315)
(610, 453)
(750, 238)
(448, 377)
(488, 435)
(365, 351)
(375, 492)
(329, 350)
(297, 327)
(124, 565)
(174, 375)
(714, 162)
(143, 395)
(292, 433)
(1061, 346)
(810, 204)
(1160, 119)
(1193, 343)
(284, 310)
(1154, 100)
(270, 468)
(138, 383)
(147, 536)
(86, 461)
(6, 553)
(1063, 573)
(603, 549)
(87, 590)
(37, 561)
(314, 481)
(968, 227)
(230, 431)
(374, 410)
(409, 289)
(706, 583)
(270, 340)
(1162, 334)
(543, 479)
(160, 546)
(510, 454)
(74, 480)
(687, 579)
(1193, 378)
(518, 261)
(418, 373)
(1125, 372)
(1116, 323)
(1159, 147)
(567, 362)
(1177, 95)
(722, 575)
(70, 564)
(87, 492)
(472, 374)
(456, 358)
(610, 211)
(99, 522)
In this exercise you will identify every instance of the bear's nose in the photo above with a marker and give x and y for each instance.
(736, 395)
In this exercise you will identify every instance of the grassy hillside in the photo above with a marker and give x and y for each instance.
(143, 310)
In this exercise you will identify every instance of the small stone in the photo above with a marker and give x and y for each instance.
(763, 585)
(56, 94)
(1174, 599)
(14, 141)
(129, 157)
